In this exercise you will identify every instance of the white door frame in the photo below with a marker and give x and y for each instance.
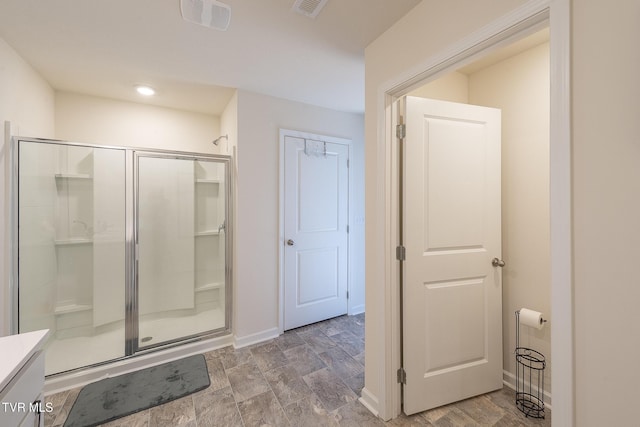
(281, 237)
(520, 22)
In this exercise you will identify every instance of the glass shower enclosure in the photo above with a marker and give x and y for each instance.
(118, 251)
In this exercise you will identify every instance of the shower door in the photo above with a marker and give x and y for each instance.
(71, 260)
(181, 240)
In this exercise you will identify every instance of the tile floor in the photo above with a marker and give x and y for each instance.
(311, 376)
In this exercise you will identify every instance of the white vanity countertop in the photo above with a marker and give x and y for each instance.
(15, 351)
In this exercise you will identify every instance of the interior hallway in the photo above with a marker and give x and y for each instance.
(310, 376)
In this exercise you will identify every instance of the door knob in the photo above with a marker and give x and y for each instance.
(290, 242)
(497, 262)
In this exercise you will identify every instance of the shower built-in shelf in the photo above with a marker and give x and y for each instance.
(72, 176)
(209, 286)
(207, 181)
(72, 308)
(70, 242)
(207, 233)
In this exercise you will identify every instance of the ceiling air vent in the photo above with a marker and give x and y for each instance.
(310, 8)
(209, 13)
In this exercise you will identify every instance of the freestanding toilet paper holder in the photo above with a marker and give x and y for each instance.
(530, 366)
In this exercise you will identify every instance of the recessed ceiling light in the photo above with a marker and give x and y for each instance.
(145, 90)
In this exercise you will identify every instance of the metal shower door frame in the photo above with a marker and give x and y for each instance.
(130, 283)
(132, 297)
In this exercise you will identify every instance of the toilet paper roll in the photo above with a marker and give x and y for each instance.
(531, 318)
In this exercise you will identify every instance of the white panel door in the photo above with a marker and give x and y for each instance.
(452, 300)
(315, 231)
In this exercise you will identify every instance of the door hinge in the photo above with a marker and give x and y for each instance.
(347, 294)
(347, 163)
(402, 376)
(401, 253)
(347, 228)
(401, 131)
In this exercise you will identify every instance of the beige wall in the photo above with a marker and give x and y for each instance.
(606, 210)
(260, 118)
(425, 31)
(229, 126)
(519, 86)
(95, 120)
(452, 87)
(27, 101)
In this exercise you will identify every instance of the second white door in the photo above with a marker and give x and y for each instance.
(316, 195)
(452, 293)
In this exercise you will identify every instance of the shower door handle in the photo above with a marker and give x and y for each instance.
(290, 242)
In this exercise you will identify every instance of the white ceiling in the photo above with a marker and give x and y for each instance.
(105, 47)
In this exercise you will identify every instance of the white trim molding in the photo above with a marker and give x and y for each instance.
(73, 379)
(562, 336)
(369, 401)
(258, 337)
(356, 309)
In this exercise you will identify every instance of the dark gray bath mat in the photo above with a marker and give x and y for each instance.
(116, 397)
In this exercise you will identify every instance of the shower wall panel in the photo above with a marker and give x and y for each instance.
(109, 228)
(165, 235)
(181, 247)
(37, 219)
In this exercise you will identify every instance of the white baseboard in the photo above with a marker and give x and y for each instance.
(369, 401)
(509, 380)
(83, 377)
(356, 309)
(239, 342)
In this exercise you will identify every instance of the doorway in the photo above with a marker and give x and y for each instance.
(383, 395)
(450, 222)
(515, 80)
(314, 221)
